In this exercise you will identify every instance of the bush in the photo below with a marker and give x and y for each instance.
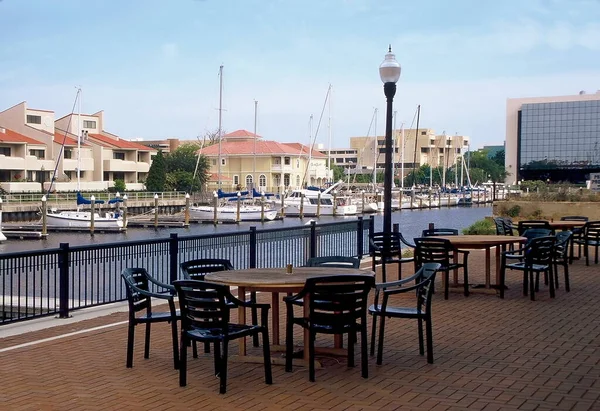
(485, 226)
(514, 211)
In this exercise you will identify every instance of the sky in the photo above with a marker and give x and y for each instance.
(153, 66)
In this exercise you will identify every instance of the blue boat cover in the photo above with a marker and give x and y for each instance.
(82, 200)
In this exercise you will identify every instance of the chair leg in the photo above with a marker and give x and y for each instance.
(567, 284)
(466, 280)
(556, 283)
(429, 333)
(147, 342)
(183, 360)
(420, 326)
(311, 356)
(531, 286)
(447, 285)
(267, 357)
(364, 358)
(351, 344)
(289, 342)
(223, 372)
(383, 273)
(551, 281)
(526, 282)
(380, 342)
(254, 313)
(373, 330)
(217, 358)
(130, 337)
(206, 349)
(175, 344)
(502, 277)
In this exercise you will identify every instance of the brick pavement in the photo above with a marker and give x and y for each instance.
(490, 354)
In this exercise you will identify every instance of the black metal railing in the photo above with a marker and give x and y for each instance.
(58, 281)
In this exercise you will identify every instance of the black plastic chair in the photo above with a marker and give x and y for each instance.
(335, 261)
(577, 233)
(139, 296)
(205, 314)
(433, 232)
(538, 258)
(500, 226)
(589, 239)
(337, 305)
(561, 256)
(386, 248)
(424, 279)
(527, 224)
(440, 250)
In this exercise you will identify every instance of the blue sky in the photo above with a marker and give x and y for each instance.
(152, 66)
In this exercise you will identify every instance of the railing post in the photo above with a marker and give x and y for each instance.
(313, 239)
(173, 256)
(252, 247)
(396, 228)
(63, 281)
(360, 226)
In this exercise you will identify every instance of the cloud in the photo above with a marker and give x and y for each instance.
(170, 51)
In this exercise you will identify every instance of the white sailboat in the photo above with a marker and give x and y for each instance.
(226, 211)
(83, 218)
(314, 203)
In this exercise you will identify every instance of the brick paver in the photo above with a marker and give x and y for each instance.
(490, 354)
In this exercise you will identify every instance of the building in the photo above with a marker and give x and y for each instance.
(248, 161)
(553, 138)
(34, 147)
(412, 148)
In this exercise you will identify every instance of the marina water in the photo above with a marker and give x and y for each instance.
(411, 223)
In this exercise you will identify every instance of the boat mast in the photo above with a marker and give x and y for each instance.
(79, 137)
(330, 134)
(310, 126)
(255, 137)
(220, 122)
(445, 164)
(416, 144)
(395, 115)
(375, 151)
(402, 154)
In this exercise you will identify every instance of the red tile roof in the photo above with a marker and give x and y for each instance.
(118, 143)
(10, 136)
(215, 177)
(241, 133)
(70, 140)
(262, 148)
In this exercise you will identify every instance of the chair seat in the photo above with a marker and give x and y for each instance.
(393, 259)
(405, 312)
(156, 317)
(325, 329)
(533, 267)
(216, 334)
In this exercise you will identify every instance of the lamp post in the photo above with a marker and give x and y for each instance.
(389, 71)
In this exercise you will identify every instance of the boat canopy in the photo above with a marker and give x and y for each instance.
(82, 200)
(222, 194)
(115, 200)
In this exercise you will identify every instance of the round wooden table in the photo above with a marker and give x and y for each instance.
(566, 225)
(483, 242)
(275, 281)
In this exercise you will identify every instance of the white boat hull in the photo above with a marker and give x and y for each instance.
(312, 210)
(247, 213)
(82, 219)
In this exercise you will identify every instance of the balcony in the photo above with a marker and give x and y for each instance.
(125, 166)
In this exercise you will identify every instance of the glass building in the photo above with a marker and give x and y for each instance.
(559, 141)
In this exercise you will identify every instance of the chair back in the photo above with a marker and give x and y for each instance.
(386, 244)
(197, 269)
(203, 305)
(433, 250)
(562, 243)
(335, 261)
(337, 301)
(540, 251)
(439, 231)
(591, 231)
(137, 288)
(532, 233)
(500, 226)
(526, 224)
(425, 287)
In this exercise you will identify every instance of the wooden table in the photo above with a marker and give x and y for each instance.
(275, 281)
(483, 242)
(566, 225)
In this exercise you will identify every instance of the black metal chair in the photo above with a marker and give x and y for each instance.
(527, 224)
(205, 317)
(336, 261)
(440, 250)
(537, 258)
(424, 279)
(577, 233)
(561, 256)
(589, 239)
(434, 232)
(337, 305)
(387, 248)
(138, 285)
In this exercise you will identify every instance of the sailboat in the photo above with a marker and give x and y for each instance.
(228, 211)
(80, 218)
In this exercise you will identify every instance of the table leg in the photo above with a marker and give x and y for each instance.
(455, 272)
(275, 317)
(499, 249)
(487, 267)
(242, 318)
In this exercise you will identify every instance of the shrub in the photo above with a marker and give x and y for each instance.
(485, 226)
(514, 211)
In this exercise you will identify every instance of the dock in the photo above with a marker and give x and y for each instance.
(32, 229)
(23, 234)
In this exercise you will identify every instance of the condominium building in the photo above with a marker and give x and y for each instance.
(247, 161)
(553, 138)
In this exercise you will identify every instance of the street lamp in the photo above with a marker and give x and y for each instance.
(389, 71)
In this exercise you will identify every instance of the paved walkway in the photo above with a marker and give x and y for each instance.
(489, 354)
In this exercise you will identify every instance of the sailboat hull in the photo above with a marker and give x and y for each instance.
(83, 219)
(224, 213)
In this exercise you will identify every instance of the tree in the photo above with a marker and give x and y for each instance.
(181, 166)
(119, 185)
(212, 136)
(157, 175)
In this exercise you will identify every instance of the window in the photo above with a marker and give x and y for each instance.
(297, 163)
(262, 180)
(276, 161)
(68, 153)
(236, 180)
(286, 161)
(222, 161)
(40, 154)
(89, 124)
(249, 180)
(298, 181)
(214, 161)
(34, 119)
(5, 151)
(423, 133)
(118, 155)
(286, 180)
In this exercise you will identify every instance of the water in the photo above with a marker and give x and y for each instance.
(411, 222)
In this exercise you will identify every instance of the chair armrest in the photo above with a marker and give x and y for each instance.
(405, 241)
(383, 286)
(519, 250)
(290, 299)
(169, 287)
(152, 294)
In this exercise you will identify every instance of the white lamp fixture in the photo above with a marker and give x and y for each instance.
(390, 69)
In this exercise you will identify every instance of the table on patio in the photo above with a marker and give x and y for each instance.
(566, 225)
(483, 242)
(275, 281)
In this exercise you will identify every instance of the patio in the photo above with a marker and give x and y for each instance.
(489, 354)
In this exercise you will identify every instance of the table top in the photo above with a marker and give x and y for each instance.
(277, 277)
(566, 224)
(481, 240)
